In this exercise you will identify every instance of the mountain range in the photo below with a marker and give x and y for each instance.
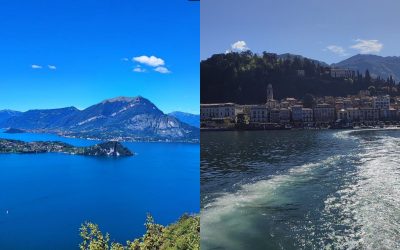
(378, 66)
(6, 114)
(121, 118)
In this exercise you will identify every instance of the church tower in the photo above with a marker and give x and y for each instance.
(270, 93)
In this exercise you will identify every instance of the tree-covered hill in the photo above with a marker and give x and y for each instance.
(243, 78)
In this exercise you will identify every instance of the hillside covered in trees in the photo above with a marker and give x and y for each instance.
(243, 78)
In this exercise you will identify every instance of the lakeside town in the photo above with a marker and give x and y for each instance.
(367, 109)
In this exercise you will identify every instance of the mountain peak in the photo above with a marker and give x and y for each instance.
(126, 99)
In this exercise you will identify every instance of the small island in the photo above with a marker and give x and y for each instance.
(14, 131)
(110, 148)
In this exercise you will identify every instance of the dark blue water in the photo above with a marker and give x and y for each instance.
(300, 190)
(48, 196)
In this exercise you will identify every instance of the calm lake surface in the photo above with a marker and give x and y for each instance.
(300, 190)
(48, 196)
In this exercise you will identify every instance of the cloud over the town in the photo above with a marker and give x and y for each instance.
(52, 67)
(367, 46)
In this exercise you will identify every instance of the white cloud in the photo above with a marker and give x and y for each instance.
(367, 46)
(139, 69)
(125, 59)
(239, 46)
(52, 67)
(162, 70)
(337, 50)
(35, 66)
(149, 60)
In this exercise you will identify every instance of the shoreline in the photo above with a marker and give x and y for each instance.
(306, 128)
(194, 141)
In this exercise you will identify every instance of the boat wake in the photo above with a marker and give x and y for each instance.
(365, 213)
(350, 200)
(239, 213)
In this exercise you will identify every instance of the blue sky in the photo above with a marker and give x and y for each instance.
(325, 30)
(77, 53)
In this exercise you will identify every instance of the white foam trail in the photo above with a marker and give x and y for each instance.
(229, 213)
(369, 208)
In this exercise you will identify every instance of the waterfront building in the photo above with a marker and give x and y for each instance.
(353, 114)
(217, 111)
(342, 114)
(284, 115)
(324, 113)
(297, 113)
(274, 115)
(393, 114)
(307, 115)
(369, 114)
(257, 113)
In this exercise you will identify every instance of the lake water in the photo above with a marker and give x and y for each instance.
(48, 196)
(300, 190)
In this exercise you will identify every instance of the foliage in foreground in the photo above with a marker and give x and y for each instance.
(184, 234)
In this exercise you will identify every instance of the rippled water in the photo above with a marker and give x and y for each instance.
(300, 190)
(45, 197)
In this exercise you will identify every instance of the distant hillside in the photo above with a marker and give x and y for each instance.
(288, 56)
(7, 114)
(128, 118)
(41, 118)
(377, 65)
(243, 78)
(191, 119)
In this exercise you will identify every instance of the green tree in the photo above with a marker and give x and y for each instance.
(92, 238)
(372, 90)
(184, 234)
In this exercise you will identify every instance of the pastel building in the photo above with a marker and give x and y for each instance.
(324, 113)
(217, 111)
(284, 115)
(257, 113)
(307, 115)
(297, 113)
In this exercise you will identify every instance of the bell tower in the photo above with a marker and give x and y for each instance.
(270, 93)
